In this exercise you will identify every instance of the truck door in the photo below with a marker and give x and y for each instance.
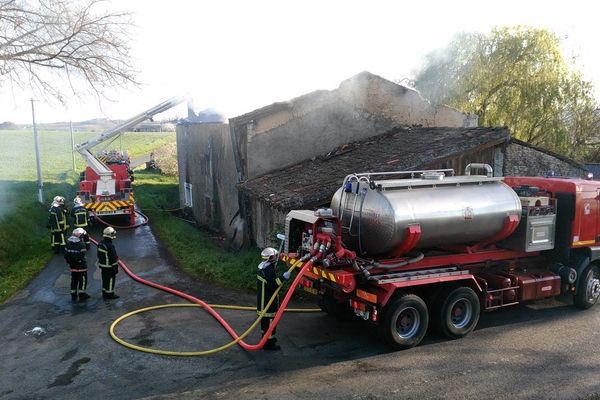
(588, 215)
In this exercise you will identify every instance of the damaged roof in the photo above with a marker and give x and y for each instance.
(313, 182)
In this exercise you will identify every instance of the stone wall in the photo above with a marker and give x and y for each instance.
(205, 159)
(524, 160)
(266, 223)
(403, 105)
(363, 106)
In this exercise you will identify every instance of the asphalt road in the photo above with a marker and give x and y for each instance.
(51, 348)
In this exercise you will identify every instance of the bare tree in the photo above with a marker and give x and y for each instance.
(52, 46)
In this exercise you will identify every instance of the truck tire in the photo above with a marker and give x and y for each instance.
(404, 322)
(457, 313)
(588, 287)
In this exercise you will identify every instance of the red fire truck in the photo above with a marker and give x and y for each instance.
(105, 185)
(413, 249)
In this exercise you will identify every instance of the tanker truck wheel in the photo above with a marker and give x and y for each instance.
(588, 287)
(404, 322)
(457, 313)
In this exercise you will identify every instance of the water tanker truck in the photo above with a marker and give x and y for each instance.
(410, 250)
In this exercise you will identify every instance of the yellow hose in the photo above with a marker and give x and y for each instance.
(204, 352)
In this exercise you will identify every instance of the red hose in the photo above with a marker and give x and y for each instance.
(215, 314)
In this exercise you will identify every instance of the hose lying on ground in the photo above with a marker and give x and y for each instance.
(238, 339)
(145, 220)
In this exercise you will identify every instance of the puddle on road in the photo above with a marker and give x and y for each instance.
(74, 370)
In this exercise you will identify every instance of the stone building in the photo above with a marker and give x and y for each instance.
(242, 176)
(214, 154)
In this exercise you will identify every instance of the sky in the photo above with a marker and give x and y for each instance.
(236, 56)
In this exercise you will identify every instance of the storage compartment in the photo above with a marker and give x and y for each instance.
(502, 290)
(535, 231)
(538, 285)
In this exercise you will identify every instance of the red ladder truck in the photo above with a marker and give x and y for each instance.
(105, 185)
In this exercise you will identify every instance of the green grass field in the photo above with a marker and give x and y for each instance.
(18, 152)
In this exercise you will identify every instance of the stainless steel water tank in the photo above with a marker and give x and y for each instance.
(450, 210)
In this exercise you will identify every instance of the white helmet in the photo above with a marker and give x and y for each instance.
(109, 232)
(79, 231)
(59, 199)
(268, 253)
(77, 200)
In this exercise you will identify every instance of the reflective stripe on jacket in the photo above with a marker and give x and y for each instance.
(80, 217)
(107, 254)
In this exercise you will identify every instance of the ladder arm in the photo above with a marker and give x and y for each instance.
(99, 167)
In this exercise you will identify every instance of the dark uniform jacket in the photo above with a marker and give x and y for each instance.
(75, 254)
(80, 216)
(55, 218)
(266, 284)
(107, 254)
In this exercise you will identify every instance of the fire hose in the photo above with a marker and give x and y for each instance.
(238, 339)
(144, 221)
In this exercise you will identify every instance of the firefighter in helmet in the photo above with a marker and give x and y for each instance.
(267, 282)
(57, 223)
(108, 261)
(81, 218)
(65, 214)
(75, 252)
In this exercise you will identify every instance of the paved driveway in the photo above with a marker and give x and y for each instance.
(53, 349)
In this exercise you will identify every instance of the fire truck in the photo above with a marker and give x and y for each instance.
(105, 185)
(411, 250)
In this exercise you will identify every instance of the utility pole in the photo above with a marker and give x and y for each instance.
(40, 184)
(72, 145)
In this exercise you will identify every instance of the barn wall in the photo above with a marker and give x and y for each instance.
(266, 223)
(521, 160)
(404, 105)
(492, 156)
(363, 106)
(205, 160)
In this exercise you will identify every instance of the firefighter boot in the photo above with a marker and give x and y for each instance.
(74, 297)
(271, 345)
(83, 297)
(110, 296)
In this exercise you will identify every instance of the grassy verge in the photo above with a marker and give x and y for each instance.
(196, 251)
(24, 238)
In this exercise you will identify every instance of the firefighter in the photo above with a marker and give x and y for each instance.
(81, 218)
(64, 221)
(56, 223)
(75, 252)
(108, 261)
(267, 282)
